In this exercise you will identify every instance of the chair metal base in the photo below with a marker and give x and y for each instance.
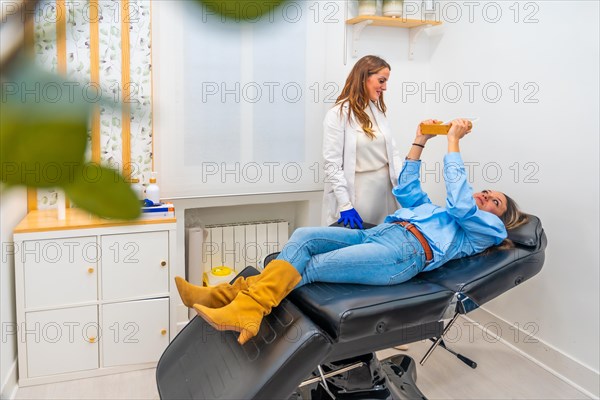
(361, 378)
(439, 341)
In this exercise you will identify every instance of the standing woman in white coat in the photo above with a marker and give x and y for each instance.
(361, 160)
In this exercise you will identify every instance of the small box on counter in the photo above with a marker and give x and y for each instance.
(162, 210)
(162, 207)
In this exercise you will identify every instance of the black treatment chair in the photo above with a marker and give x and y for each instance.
(319, 343)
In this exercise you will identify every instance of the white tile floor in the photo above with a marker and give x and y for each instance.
(501, 373)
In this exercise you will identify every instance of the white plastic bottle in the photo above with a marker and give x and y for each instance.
(138, 189)
(152, 191)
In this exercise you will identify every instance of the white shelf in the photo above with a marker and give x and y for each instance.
(415, 26)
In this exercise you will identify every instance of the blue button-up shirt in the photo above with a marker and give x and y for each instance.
(458, 230)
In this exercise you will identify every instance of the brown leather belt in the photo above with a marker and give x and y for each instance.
(416, 233)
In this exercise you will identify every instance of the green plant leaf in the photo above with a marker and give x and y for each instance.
(241, 10)
(43, 129)
(43, 136)
(104, 192)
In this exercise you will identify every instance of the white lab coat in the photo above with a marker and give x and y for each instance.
(339, 154)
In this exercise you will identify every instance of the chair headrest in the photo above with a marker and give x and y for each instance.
(528, 234)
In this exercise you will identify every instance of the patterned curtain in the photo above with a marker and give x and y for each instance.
(103, 47)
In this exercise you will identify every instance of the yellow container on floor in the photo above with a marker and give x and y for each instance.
(218, 275)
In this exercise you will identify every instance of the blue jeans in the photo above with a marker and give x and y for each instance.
(384, 255)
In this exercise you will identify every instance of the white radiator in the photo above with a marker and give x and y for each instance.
(233, 245)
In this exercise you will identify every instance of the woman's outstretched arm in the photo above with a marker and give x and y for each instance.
(459, 129)
(408, 192)
(483, 229)
(416, 148)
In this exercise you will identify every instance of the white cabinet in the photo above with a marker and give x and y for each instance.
(135, 265)
(64, 263)
(63, 340)
(134, 332)
(93, 296)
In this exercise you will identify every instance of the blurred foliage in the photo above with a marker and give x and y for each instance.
(44, 125)
(43, 137)
(241, 10)
(41, 140)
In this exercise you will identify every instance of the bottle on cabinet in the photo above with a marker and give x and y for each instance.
(153, 191)
(137, 188)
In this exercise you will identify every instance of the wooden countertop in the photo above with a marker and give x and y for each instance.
(47, 220)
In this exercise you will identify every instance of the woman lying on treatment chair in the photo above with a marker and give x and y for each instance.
(418, 237)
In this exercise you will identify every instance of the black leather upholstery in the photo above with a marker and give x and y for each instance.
(529, 234)
(351, 313)
(361, 318)
(485, 276)
(202, 363)
(327, 322)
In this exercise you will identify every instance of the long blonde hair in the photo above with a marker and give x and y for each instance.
(355, 91)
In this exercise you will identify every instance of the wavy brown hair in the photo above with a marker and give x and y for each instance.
(355, 91)
(513, 217)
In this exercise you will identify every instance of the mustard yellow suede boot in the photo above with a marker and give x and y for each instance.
(213, 297)
(245, 313)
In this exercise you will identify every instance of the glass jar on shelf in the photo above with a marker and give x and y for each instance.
(367, 7)
(392, 8)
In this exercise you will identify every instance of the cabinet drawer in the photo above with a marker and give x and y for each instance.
(135, 265)
(134, 332)
(60, 341)
(60, 271)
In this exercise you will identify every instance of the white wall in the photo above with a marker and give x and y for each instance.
(13, 207)
(536, 140)
(554, 141)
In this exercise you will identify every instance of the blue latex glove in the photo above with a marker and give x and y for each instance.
(351, 217)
